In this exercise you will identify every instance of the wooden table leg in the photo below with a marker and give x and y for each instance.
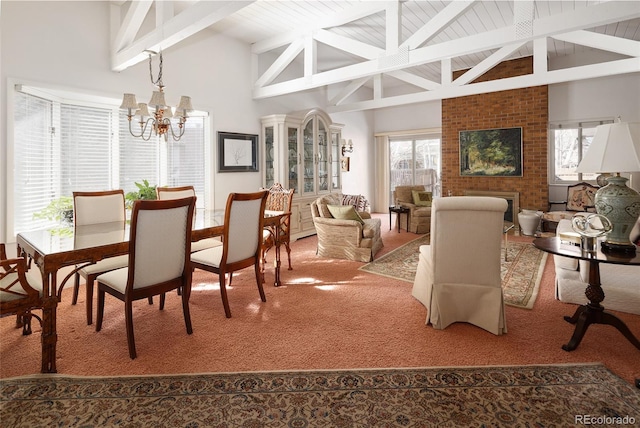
(49, 336)
(594, 313)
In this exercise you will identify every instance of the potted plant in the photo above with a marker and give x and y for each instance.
(60, 210)
(145, 191)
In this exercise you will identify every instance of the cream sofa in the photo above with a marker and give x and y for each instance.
(341, 238)
(419, 217)
(621, 284)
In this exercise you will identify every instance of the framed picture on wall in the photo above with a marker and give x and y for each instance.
(491, 153)
(237, 152)
(344, 162)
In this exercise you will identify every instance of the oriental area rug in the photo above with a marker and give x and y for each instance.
(540, 395)
(521, 272)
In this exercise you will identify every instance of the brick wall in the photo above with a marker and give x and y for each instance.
(526, 108)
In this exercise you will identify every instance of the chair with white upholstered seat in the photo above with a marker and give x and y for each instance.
(241, 239)
(165, 193)
(95, 208)
(158, 260)
(458, 275)
(20, 293)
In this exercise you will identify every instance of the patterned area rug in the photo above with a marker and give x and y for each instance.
(521, 273)
(541, 396)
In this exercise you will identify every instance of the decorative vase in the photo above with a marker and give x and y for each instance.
(621, 205)
(529, 221)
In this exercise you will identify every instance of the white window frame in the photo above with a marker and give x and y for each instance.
(413, 138)
(579, 126)
(80, 98)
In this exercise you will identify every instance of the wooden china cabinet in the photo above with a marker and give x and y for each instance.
(302, 152)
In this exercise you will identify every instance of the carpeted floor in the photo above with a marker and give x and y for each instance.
(540, 396)
(521, 271)
(327, 315)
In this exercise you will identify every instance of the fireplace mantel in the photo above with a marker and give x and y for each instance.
(513, 199)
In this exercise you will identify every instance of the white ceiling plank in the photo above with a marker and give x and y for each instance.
(487, 64)
(630, 65)
(281, 63)
(192, 20)
(549, 26)
(436, 24)
(601, 41)
(131, 23)
(354, 13)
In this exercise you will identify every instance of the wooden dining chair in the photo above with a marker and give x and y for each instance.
(279, 199)
(165, 193)
(158, 260)
(95, 208)
(20, 293)
(241, 242)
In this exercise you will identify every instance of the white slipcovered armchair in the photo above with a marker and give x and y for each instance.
(458, 276)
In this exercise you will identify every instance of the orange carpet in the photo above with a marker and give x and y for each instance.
(327, 315)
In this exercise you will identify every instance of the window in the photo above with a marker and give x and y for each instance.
(64, 145)
(414, 161)
(569, 144)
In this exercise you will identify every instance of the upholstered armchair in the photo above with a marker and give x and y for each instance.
(343, 232)
(419, 217)
(580, 198)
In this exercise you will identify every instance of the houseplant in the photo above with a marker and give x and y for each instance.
(60, 210)
(145, 191)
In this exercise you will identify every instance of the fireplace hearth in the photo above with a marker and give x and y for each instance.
(512, 198)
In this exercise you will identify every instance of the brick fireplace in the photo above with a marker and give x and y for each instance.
(512, 198)
(526, 108)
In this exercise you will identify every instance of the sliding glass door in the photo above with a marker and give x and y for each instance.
(415, 161)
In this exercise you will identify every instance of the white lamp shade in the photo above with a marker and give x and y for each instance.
(129, 102)
(615, 148)
(184, 105)
(157, 100)
(167, 112)
(142, 110)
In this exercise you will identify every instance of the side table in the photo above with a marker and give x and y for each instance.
(399, 210)
(593, 312)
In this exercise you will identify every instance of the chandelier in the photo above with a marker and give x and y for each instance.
(158, 123)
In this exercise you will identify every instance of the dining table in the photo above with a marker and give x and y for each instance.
(54, 248)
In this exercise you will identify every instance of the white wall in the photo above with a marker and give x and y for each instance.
(65, 45)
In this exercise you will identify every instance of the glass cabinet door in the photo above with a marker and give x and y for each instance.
(269, 149)
(308, 158)
(323, 156)
(292, 143)
(336, 163)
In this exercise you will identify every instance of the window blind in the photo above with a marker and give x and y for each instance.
(35, 179)
(61, 147)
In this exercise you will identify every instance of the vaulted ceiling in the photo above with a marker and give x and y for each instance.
(372, 54)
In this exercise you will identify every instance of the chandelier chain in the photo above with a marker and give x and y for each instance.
(157, 82)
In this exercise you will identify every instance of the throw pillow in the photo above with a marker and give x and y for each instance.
(345, 212)
(421, 199)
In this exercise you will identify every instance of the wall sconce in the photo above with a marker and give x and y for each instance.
(347, 148)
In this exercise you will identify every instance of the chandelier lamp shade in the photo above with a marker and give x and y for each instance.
(158, 121)
(615, 148)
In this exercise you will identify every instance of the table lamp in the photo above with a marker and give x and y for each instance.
(615, 148)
